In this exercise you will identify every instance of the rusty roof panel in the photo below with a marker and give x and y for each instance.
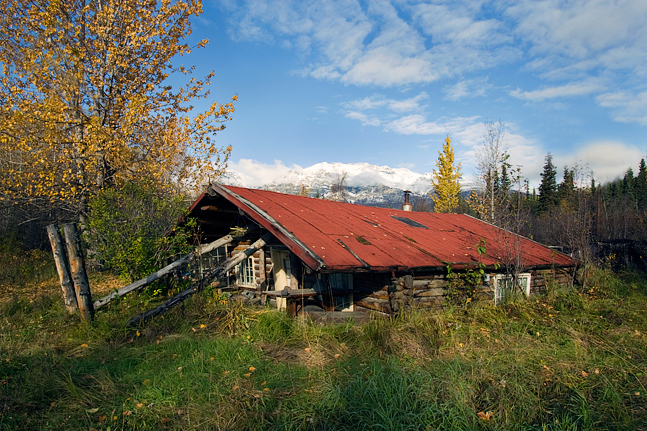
(340, 236)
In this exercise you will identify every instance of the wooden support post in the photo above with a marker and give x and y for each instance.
(69, 296)
(79, 276)
(139, 284)
(261, 269)
(219, 271)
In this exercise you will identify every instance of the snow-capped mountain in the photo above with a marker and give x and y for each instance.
(365, 183)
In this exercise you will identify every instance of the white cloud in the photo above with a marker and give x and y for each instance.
(365, 119)
(476, 87)
(582, 88)
(378, 101)
(374, 45)
(251, 173)
(408, 105)
(387, 67)
(417, 124)
(628, 108)
(372, 102)
(398, 43)
(607, 159)
(595, 32)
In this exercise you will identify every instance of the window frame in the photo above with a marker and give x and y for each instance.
(502, 283)
(245, 273)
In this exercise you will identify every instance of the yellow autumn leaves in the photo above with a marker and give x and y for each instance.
(85, 103)
(444, 183)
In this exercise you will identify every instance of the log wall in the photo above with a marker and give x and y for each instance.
(386, 294)
(381, 292)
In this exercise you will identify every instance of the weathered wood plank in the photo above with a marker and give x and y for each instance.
(373, 304)
(380, 295)
(139, 284)
(219, 271)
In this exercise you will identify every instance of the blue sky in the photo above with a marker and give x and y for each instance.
(384, 82)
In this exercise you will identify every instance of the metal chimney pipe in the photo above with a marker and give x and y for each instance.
(407, 206)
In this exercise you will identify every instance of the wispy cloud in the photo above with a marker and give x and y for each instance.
(569, 33)
(417, 124)
(582, 88)
(628, 108)
(476, 87)
(397, 44)
(375, 45)
(365, 119)
(379, 101)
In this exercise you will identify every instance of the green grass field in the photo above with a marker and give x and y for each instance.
(565, 361)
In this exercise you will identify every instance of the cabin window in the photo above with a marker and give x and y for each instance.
(503, 286)
(341, 286)
(245, 273)
(211, 260)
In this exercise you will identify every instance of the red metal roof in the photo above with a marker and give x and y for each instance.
(340, 236)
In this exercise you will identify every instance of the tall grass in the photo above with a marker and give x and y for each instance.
(18, 267)
(568, 360)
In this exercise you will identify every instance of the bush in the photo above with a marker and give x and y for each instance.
(132, 229)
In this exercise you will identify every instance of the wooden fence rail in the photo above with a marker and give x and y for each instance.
(139, 284)
(219, 271)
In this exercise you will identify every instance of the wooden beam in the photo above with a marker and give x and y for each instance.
(208, 208)
(218, 272)
(139, 284)
(63, 269)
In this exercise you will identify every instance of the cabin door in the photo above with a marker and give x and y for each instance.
(282, 274)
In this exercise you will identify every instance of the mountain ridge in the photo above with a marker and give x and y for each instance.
(365, 183)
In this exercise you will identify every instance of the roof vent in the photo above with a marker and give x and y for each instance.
(406, 206)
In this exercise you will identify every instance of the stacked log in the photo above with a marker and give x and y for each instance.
(542, 278)
(418, 292)
(372, 292)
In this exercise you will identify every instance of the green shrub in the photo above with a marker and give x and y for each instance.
(131, 229)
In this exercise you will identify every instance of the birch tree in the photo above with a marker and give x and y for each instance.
(86, 103)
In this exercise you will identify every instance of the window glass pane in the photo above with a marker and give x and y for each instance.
(245, 272)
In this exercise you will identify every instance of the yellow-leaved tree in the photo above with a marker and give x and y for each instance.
(86, 103)
(444, 182)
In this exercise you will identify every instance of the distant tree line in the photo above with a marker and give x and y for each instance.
(594, 222)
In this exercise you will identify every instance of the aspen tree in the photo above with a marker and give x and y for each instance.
(445, 185)
(86, 103)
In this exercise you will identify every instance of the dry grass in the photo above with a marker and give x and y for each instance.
(569, 360)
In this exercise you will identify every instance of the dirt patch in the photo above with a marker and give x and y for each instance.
(315, 356)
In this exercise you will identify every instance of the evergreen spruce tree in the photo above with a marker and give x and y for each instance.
(640, 185)
(628, 187)
(548, 186)
(445, 185)
(566, 189)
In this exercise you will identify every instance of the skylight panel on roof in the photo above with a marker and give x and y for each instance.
(409, 222)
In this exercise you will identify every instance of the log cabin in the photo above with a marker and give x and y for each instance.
(336, 256)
